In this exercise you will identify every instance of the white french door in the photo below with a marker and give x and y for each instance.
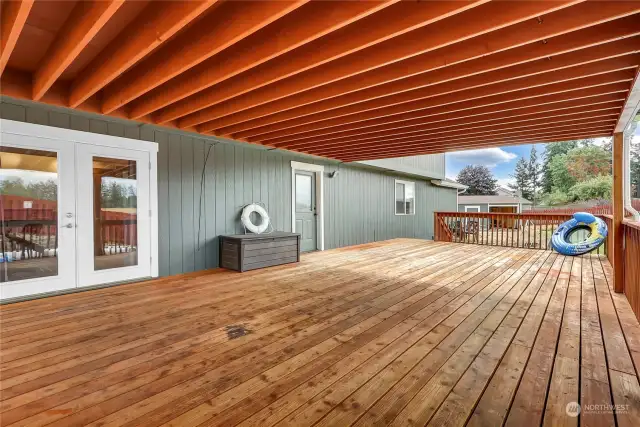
(73, 213)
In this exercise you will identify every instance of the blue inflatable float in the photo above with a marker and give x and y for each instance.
(580, 220)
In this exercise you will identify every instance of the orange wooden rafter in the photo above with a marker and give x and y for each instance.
(440, 65)
(566, 136)
(453, 121)
(393, 21)
(456, 118)
(86, 19)
(477, 97)
(461, 129)
(162, 21)
(471, 112)
(13, 17)
(440, 84)
(471, 134)
(308, 23)
(443, 32)
(426, 147)
(229, 23)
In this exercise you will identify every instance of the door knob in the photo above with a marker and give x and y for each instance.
(70, 225)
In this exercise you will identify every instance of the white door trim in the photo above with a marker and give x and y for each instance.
(501, 205)
(319, 171)
(68, 135)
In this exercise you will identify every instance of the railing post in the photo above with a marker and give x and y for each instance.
(618, 212)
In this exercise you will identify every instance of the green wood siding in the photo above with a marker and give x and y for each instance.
(359, 201)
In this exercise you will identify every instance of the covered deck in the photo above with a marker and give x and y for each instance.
(401, 332)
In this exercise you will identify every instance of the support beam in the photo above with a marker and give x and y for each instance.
(565, 101)
(456, 102)
(86, 19)
(590, 44)
(229, 23)
(439, 82)
(13, 15)
(472, 125)
(388, 24)
(162, 21)
(303, 25)
(618, 212)
(596, 132)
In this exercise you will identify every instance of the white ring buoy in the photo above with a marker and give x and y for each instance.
(246, 218)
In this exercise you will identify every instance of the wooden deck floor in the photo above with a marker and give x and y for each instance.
(403, 332)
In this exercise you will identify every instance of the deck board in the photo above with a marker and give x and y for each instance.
(401, 332)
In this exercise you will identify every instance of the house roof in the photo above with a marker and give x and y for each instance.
(347, 80)
(469, 200)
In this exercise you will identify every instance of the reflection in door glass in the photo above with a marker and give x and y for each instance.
(115, 213)
(28, 214)
(303, 193)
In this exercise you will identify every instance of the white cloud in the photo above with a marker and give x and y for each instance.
(504, 182)
(489, 157)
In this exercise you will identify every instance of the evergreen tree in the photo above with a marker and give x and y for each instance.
(535, 171)
(551, 151)
(523, 178)
(479, 179)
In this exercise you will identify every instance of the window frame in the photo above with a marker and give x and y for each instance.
(395, 206)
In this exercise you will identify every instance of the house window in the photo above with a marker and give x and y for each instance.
(405, 198)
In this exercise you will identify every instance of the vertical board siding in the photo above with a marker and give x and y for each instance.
(359, 202)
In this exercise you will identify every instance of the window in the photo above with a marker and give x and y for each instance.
(405, 198)
(472, 208)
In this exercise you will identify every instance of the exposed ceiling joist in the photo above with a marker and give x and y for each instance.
(441, 33)
(163, 20)
(302, 26)
(229, 23)
(346, 80)
(13, 15)
(87, 18)
(440, 65)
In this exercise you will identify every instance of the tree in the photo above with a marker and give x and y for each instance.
(534, 170)
(479, 179)
(561, 179)
(587, 162)
(552, 150)
(598, 187)
(522, 177)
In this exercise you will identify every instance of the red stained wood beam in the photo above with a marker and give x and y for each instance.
(474, 128)
(13, 17)
(84, 22)
(446, 64)
(460, 118)
(394, 21)
(227, 24)
(302, 26)
(484, 144)
(470, 134)
(425, 147)
(357, 102)
(459, 101)
(566, 109)
(162, 21)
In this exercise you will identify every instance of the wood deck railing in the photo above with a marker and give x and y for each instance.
(526, 230)
(631, 276)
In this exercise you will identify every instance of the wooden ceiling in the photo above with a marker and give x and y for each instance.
(346, 80)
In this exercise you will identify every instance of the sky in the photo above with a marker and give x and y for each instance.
(500, 160)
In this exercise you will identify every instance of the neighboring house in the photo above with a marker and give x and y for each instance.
(192, 202)
(496, 203)
(503, 191)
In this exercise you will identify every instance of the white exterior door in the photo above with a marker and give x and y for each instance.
(113, 214)
(76, 209)
(37, 215)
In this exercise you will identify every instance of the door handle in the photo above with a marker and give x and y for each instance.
(70, 225)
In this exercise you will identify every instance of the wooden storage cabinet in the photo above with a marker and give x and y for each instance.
(244, 252)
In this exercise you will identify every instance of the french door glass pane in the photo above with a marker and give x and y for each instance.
(29, 214)
(115, 208)
(303, 193)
